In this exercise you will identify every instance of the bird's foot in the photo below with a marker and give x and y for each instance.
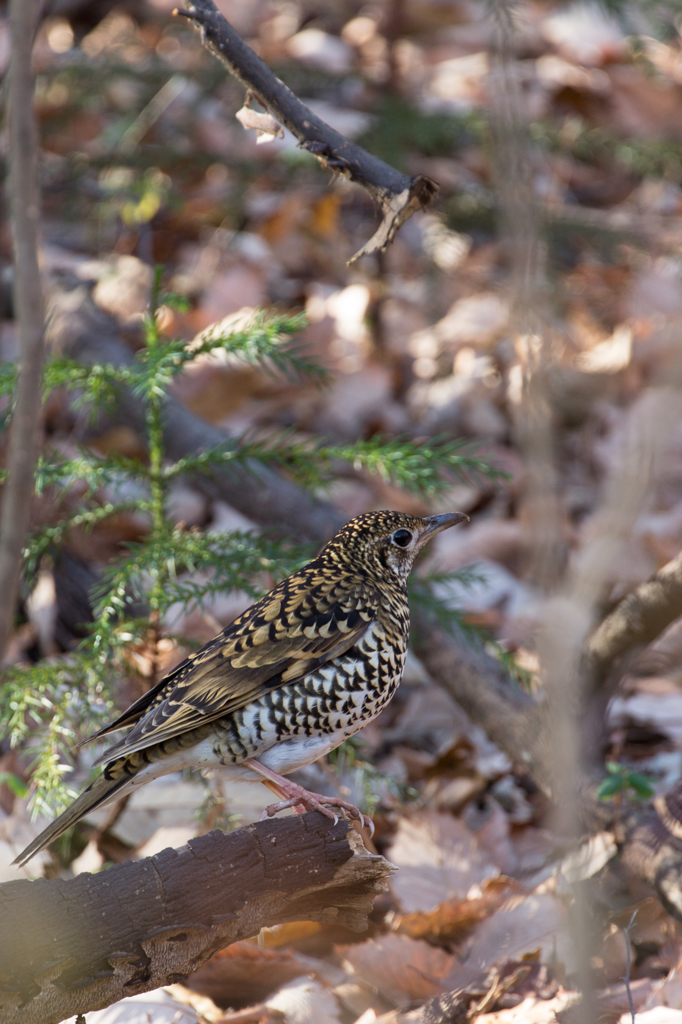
(297, 796)
(302, 799)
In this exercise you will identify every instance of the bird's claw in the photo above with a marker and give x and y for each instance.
(322, 804)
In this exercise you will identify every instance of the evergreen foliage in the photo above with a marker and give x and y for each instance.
(621, 781)
(53, 704)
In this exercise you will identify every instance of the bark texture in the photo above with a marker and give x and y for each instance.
(68, 946)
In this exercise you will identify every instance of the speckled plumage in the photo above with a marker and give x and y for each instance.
(298, 672)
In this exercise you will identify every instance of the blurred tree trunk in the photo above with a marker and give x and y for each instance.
(28, 306)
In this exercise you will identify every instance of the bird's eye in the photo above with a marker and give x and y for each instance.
(402, 538)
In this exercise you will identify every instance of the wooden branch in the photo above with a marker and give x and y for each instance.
(398, 195)
(68, 946)
(28, 300)
(638, 620)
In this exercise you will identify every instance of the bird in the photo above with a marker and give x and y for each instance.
(292, 677)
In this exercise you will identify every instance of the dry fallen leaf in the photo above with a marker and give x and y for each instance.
(659, 1015)
(585, 33)
(305, 1001)
(439, 858)
(265, 125)
(243, 974)
(608, 356)
(321, 50)
(159, 1006)
(401, 968)
(521, 926)
(589, 858)
(123, 290)
(453, 919)
(475, 320)
(667, 992)
(614, 999)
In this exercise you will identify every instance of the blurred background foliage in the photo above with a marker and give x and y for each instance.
(397, 382)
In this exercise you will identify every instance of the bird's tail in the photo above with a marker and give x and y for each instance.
(113, 779)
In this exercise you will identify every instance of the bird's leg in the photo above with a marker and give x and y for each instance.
(278, 791)
(298, 796)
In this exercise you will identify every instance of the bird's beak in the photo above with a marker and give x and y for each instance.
(435, 524)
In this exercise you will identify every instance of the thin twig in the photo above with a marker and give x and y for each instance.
(626, 979)
(28, 299)
(398, 195)
(151, 113)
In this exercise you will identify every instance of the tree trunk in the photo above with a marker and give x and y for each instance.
(28, 301)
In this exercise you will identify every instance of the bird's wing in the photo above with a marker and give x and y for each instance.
(285, 635)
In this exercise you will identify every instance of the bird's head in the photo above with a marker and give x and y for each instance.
(388, 542)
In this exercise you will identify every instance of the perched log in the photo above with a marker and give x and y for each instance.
(68, 946)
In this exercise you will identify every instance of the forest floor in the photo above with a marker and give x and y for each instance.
(144, 163)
